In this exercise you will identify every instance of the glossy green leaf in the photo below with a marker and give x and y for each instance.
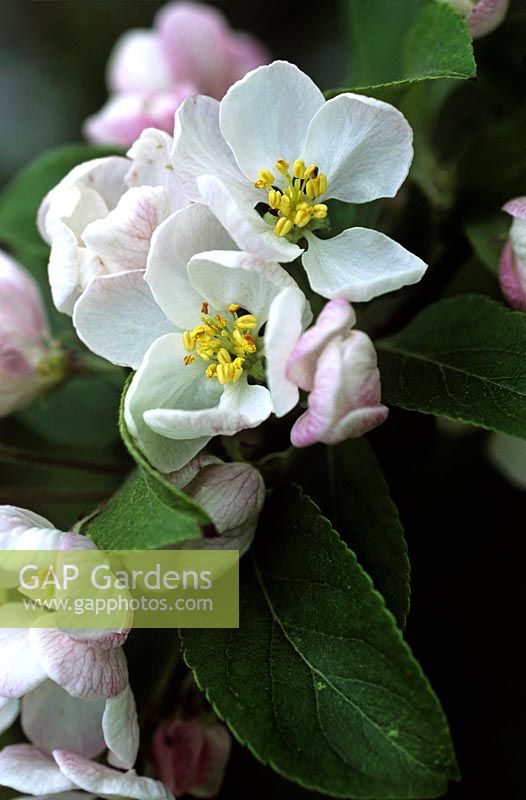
(318, 681)
(461, 358)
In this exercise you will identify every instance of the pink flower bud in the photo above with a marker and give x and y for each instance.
(338, 366)
(191, 50)
(482, 16)
(27, 364)
(190, 755)
(231, 494)
(513, 258)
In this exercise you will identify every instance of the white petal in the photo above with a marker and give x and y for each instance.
(518, 237)
(363, 145)
(52, 719)
(508, 454)
(234, 207)
(187, 232)
(27, 769)
(265, 116)
(105, 782)
(163, 380)
(284, 328)
(118, 318)
(82, 669)
(199, 147)
(15, 521)
(122, 238)
(20, 669)
(9, 710)
(222, 277)
(121, 729)
(359, 264)
(138, 64)
(151, 157)
(240, 406)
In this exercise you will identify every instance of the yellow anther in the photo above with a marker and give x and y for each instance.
(311, 171)
(211, 371)
(189, 360)
(224, 373)
(249, 343)
(283, 226)
(298, 168)
(285, 205)
(233, 307)
(198, 331)
(188, 341)
(274, 197)
(322, 183)
(265, 179)
(319, 211)
(311, 188)
(282, 166)
(246, 322)
(221, 321)
(223, 356)
(204, 308)
(302, 218)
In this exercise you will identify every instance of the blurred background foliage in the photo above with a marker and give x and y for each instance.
(464, 524)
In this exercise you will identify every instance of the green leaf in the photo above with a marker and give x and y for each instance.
(83, 411)
(396, 44)
(144, 514)
(462, 358)
(318, 681)
(147, 511)
(487, 237)
(20, 200)
(355, 497)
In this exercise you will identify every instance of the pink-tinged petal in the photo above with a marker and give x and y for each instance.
(52, 719)
(27, 769)
(9, 711)
(276, 104)
(106, 782)
(137, 64)
(337, 317)
(15, 521)
(82, 669)
(121, 729)
(363, 145)
(76, 541)
(345, 401)
(20, 669)
(182, 477)
(234, 207)
(199, 147)
(122, 238)
(286, 321)
(359, 264)
(485, 16)
(194, 41)
(190, 756)
(118, 318)
(516, 207)
(21, 305)
(512, 275)
(151, 164)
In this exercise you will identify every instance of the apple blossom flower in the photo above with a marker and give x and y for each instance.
(29, 362)
(191, 50)
(513, 259)
(193, 329)
(36, 772)
(482, 16)
(73, 685)
(269, 157)
(231, 494)
(100, 218)
(337, 366)
(190, 754)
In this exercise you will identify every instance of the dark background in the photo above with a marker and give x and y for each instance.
(465, 525)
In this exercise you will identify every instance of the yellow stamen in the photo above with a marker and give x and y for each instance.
(302, 218)
(282, 166)
(319, 211)
(189, 360)
(221, 321)
(211, 371)
(283, 226)
(274, 197)
(204, 308)
(233, 307)
(298, 168)
(188, 340)
(265, 179)
(246, 322)
(223, 356)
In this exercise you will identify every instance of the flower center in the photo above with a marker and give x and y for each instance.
(294, 207)
(228, 344)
